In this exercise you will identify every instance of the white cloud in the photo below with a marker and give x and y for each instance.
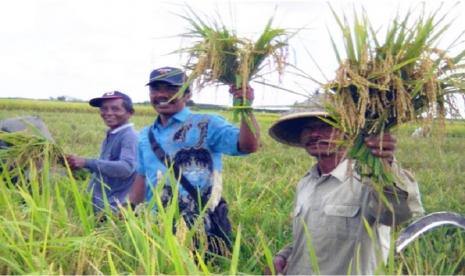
(82, 48)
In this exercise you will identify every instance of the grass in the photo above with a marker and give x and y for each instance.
(60, 106)
(53, 231)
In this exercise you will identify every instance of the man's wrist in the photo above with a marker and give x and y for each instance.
(241, 101)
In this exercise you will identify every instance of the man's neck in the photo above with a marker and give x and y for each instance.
(120, 125)
(164, 118)
(327, 164)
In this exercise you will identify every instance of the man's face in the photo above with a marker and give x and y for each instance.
(113, 113)
(320, 139)
(160, 95)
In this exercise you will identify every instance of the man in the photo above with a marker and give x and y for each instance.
(114, 172)
(195, 143)
(333, 203)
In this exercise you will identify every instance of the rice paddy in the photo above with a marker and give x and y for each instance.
(52, 230)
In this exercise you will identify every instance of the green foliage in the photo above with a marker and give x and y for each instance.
(218, 55)
(60, 106)
(25, 149)
(383, 82)
(53, 230)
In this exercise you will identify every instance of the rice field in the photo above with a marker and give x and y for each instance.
(49, 228)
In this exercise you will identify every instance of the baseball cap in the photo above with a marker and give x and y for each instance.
(171, 75)
(288, 127)
(97, 102)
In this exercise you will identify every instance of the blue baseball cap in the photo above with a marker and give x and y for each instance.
(171, 75)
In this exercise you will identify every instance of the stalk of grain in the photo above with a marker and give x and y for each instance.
(24, 148)
(219, 56)
(385, 82)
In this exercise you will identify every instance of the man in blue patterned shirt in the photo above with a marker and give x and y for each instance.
(194, 142)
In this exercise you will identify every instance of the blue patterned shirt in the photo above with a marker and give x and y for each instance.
(195, 142)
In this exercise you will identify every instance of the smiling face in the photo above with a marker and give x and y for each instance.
(113, 113)
(320, 139)
(161, 98)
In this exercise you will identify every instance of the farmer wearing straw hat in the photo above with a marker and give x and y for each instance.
(114, 172)
(194, 145)
(332, 201)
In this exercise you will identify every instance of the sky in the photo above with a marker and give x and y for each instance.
(83, 48)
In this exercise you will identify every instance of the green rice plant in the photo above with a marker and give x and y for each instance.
(24, 149)
(54, 237)
(449, 259)
(219, 55)
(14, 105)
(268, 255)
(383, 82)
(311, 250)
(43, 232)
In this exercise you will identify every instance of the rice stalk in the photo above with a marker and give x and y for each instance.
(235, 253)
(219, 56)
(23, 148)
(381, 84)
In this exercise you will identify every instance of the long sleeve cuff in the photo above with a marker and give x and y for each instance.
(91, 164)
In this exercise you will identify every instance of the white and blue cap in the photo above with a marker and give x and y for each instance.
(97, 102)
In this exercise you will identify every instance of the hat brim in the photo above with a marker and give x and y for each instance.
(288, 128)
(97, 102)
(165, 81)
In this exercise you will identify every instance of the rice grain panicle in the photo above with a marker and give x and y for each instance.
(385, 82)
(25, 148)
(219, 56)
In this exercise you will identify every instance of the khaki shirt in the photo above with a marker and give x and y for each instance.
(328, 216)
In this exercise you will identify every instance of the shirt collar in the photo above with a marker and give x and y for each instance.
(181, 116)
(340, 172)
(313, 172)
(118, 129)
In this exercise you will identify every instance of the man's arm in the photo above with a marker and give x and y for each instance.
(402, 200)
(249, 140)
(123, 167)
(390, 208)
(249, 136)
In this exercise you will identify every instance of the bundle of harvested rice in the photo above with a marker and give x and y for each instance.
(384, 82)
(24, 149)
(218, 55)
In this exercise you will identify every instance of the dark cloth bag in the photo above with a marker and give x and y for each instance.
(220, 230)
(216, 222)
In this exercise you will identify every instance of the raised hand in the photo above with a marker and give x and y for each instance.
(382, 146)
(238, 93)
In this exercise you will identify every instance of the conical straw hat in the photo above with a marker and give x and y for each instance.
(288, 127)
